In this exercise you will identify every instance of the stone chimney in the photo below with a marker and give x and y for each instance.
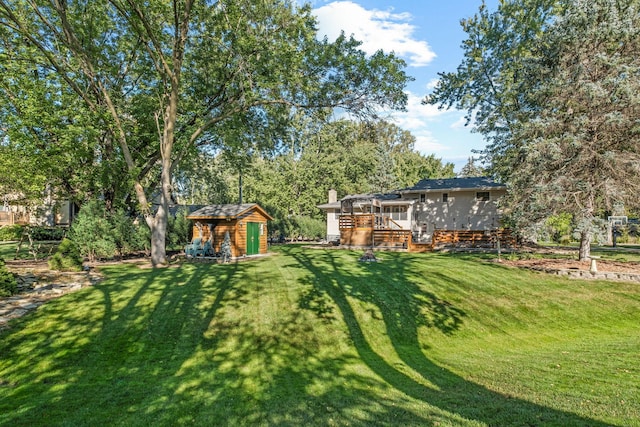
(333, 196)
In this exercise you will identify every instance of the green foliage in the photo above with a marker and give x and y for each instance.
(128, 92)
(311, 228)
(100, 233)
(8, 284)
(346, 156)
(141, 237)
(11, 232)
(93, 232)
(553, 87)
(42, 233)
(559, 227)
(180, 229)
(471, 169)
(38, 232)
(67, 257)
(298, 228)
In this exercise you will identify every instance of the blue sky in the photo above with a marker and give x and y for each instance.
(427, 35)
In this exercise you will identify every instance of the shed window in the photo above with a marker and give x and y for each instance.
(423, 197)
(445, 197)
(482, 196)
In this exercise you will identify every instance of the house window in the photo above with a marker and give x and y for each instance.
(396, 213)
(482, 196)
(423, 198)
(445, 197)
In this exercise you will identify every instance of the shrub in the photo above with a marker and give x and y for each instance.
(310, 228)
(8, 284)
(11, 232)
(141, 238)
(67, 257)
(179, 229)
(92, 231)
(123, 232)
(41, 233)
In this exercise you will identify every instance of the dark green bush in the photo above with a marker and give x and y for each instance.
(179, 229)
(38, 233)
(298, 227)
(92, 231)
(67, 257)
(8, 284)
(11, 232)
(310, 228)
(41, 233)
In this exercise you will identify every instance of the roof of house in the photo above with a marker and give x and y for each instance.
(473, 183)
(429, 184)
(386, 198)
(377, 196)
(228, 211)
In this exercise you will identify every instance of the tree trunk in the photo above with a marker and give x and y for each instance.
(160, 220)
(158, 238)
(585, 245)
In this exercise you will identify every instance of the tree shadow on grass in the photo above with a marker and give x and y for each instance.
(119, 347)
(164, 347)
(404, 307)
(193, 345)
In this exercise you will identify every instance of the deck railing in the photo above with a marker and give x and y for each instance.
(381, 231)
(473, 238)
(375, 221)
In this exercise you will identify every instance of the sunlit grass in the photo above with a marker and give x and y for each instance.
(313, 337)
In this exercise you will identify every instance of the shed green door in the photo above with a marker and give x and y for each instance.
(253, 238)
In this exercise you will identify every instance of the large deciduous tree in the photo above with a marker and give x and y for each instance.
(169, 74)
(561, 116)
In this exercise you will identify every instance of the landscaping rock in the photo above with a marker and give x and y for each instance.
(37, 287)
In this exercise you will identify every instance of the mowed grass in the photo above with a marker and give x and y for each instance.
(313, 337)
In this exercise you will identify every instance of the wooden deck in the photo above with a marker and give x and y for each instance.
(371, 231)
(472, 238)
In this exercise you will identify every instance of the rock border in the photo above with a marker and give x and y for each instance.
(36, 289)
(584, 274)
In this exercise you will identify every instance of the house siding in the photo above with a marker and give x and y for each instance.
(426, 209)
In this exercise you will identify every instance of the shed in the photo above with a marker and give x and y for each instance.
(246, 224)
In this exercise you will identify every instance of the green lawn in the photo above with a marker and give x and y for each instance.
(313, 337)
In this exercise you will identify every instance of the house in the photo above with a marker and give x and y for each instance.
(50, 213)
(432, 212)
(246, 224)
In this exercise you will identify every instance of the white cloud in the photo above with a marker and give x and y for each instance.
(432, 84)
(460, 123)
(376, 29)
(417, 114)
(427, 144)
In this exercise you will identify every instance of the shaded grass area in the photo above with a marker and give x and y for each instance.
(42, 249)
(312, 337)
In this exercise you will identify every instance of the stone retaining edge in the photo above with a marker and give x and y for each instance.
(583, 274)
